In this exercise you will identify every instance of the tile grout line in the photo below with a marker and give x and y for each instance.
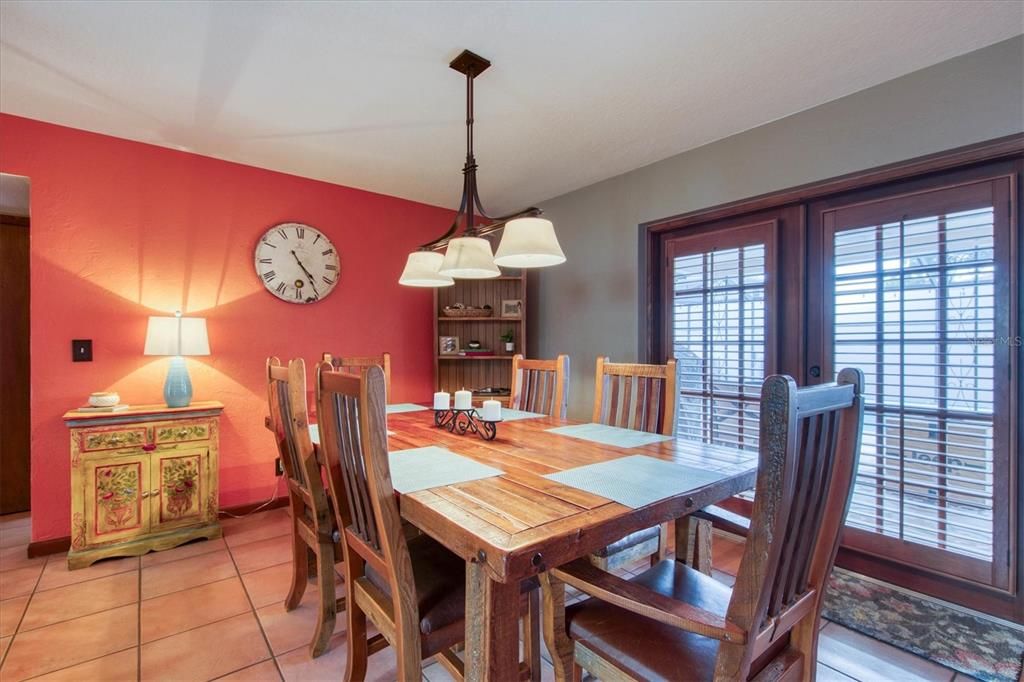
(259, 623)
(138, 635)
(14, 635)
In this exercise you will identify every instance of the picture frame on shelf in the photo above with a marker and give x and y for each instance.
(447, 345)
(512, 308)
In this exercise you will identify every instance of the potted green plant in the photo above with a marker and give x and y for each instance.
(508, 337)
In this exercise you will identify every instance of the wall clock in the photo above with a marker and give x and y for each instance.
(297, 263)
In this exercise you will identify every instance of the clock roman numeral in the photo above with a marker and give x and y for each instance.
(330, 266)
(269, 244)
(328, 281)
(300, 232)
(283, 234)
(269, 275)
(268, 261)
(281, 287)
(298, 294)
(328, 252)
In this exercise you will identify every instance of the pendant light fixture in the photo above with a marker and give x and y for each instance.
(528, 241)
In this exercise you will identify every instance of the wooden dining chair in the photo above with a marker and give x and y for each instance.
(540, 385)
(412, 589)
(642, 398)
(352, 365)
(314, 533)
(673, 618)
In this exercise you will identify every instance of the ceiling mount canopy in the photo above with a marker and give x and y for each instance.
(528, 241)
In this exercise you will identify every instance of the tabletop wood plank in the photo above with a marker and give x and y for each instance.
(518, 523)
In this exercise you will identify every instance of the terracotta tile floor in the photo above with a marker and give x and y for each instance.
(213, 610)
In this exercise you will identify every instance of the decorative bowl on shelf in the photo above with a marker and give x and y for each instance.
(104, 399)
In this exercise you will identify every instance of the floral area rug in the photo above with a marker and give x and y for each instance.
(976, 646)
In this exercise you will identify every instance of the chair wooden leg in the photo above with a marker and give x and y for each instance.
(355, 665)
(328, 602)
(693, 543)
(702, 560)
(663, 534)
(299, 571)
(577, 672)
(531, 635)
(559, 645)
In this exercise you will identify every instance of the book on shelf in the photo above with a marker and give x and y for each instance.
(121, 407)
(469, 352)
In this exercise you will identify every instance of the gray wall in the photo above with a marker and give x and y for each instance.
(588, 306)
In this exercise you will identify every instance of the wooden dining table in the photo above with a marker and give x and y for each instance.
(511, 527)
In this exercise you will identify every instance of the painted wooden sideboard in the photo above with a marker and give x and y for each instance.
(143, 479)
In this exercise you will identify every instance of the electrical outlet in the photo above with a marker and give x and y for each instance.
(278, 468)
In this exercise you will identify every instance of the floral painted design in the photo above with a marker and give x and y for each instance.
(975, 646)
(180, 484)
(113, 439)
(193, 432)
(117, 490)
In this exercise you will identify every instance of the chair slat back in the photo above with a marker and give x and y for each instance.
(289, 421)
(810, 440)
(353, 440)
(540, 385)
(353, 363)
(633, 396)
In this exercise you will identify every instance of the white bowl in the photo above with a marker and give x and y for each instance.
(104, 399)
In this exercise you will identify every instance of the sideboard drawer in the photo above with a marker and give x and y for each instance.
(181, 432)
(113, 438)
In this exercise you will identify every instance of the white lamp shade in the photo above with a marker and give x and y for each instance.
(529, 243)
(177, 336)
(469, 258)
(421, 270)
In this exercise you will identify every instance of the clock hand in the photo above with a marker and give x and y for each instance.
(308, 276)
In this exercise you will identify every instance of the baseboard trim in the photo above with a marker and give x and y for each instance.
(51, 546)
(63, 544)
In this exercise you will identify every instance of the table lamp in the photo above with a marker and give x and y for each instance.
(177, 337)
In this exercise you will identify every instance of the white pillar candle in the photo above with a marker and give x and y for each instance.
(463, 400)
(442, 400)
(491, 411)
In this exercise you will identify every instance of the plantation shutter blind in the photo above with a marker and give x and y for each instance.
(920, 301)
(722, 334)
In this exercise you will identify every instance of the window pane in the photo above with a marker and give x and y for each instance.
(718, 311)
(914, 307)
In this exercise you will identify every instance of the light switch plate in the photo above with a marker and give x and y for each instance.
(81, 350)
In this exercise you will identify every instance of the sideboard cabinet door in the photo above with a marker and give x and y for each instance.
(181, 484)
(116, 498)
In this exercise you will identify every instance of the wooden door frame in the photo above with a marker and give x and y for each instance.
(18, 389)
(651, 238)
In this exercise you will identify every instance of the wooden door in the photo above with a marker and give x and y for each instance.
(179, 487)
(14, 365)
(918, 290)
(116, 498)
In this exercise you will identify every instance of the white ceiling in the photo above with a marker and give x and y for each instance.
(360, 93)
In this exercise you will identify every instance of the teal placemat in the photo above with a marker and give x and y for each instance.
(404, 407)
(430, 467)
(610, 435)
(636, 481)
(510, 415)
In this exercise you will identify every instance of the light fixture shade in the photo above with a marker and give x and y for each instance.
(177, 336)
(469, 258)
(421, 270)
(529, 243)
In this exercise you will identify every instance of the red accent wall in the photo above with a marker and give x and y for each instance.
(122, 230)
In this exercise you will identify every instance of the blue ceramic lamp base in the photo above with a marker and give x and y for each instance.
(178, 387)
